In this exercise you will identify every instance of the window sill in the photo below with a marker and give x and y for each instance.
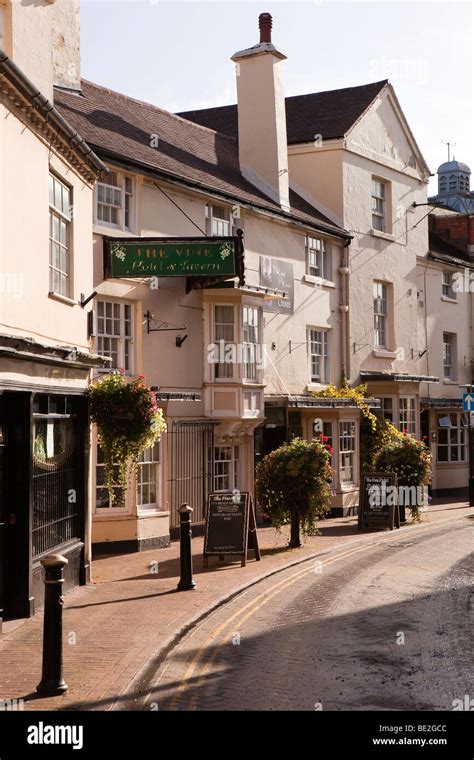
(103, 229)
(447, 299)
(118, 512)
(453, 464)
(383, 235)
(449, 381)
(316, 386)
(320, 281)
(141, 513)
(381, 353)
(63, 299)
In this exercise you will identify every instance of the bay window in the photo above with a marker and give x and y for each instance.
(250, 342)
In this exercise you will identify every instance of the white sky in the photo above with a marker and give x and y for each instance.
(176, 55)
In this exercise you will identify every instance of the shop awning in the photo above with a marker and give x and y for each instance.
(441, 403)
(396, 377)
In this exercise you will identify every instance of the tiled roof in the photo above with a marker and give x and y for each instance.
(448, 250)
(330, 114)
(124, 128)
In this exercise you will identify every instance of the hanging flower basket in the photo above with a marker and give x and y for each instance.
(128, 422)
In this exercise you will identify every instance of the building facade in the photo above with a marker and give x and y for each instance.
(47, 174)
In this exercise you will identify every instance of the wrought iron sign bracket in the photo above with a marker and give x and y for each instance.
(159, 325)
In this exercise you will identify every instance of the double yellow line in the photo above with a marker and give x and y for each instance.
(254, 606)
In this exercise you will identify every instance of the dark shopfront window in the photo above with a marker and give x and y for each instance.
(55, 473)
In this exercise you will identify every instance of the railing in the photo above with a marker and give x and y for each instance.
(191, 465)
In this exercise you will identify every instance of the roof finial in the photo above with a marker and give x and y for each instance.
(265, 26)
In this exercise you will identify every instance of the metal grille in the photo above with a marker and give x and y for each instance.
(55, 507)
(191, 463)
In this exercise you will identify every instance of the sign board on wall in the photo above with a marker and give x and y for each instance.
(278, 275)
(173, 257)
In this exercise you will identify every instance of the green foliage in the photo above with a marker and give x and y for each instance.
(410, 460)
(296, 475)
(375, 432)
(128, 422)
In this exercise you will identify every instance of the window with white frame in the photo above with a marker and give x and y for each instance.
(115, 201)
(224, 341)
(114, 333)
(407, 414)
(148, 481)
(103, 499)
(347, 451)
(452, 437)
(250, 342)
(380, 294)
(386, 408)
(448, 355)
(218, 221)
(318, 349)
(318, 260)
(60, 216)
(447, 285)
(226, 468)
(379, 205)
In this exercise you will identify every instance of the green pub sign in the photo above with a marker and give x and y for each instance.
(173, 257)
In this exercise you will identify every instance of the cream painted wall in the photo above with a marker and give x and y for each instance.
(287, 369)
(444, 316)
(322, 178)
(262, 121)
(341, 176)
(24, 239)
(43, 39)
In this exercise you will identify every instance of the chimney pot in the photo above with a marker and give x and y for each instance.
(265, 26)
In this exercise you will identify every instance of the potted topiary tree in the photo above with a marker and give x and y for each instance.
(293, 485)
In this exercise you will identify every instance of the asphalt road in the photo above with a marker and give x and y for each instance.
(385, 627)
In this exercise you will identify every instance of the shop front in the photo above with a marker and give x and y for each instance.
(44, 445)
(308, 417)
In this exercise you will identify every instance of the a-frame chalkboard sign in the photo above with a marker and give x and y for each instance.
(231, 527)
(378, 501)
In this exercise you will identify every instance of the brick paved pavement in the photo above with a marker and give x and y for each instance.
(120, 624)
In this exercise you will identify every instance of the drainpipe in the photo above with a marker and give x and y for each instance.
(344, 309)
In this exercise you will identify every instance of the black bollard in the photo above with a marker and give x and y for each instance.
(186, 582)
(52, 681)
(295, 540)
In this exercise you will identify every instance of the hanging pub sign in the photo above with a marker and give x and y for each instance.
(173, 257)
(378, 501)
(230, 526)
